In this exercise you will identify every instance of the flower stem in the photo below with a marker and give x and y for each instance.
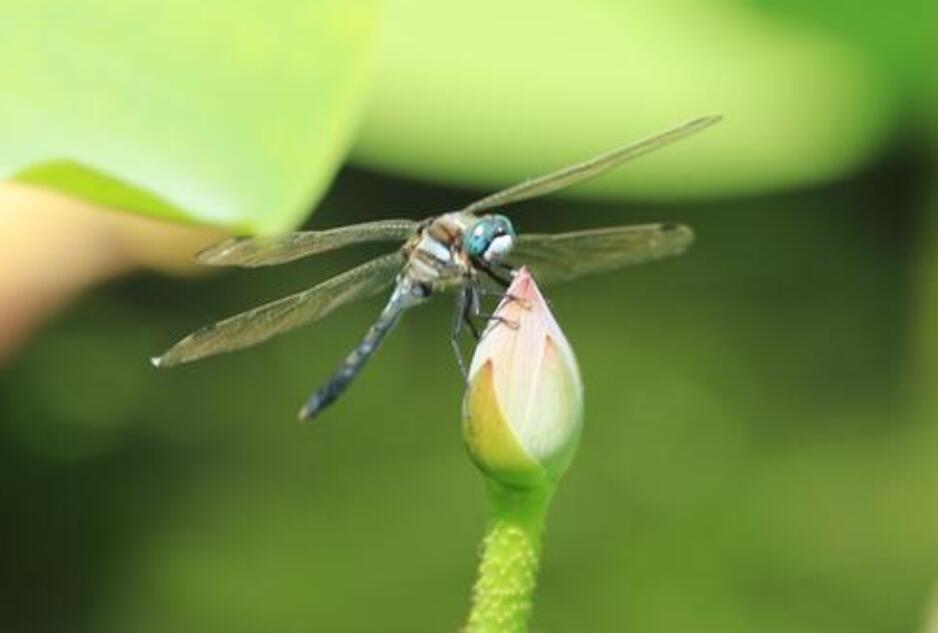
(502, 597)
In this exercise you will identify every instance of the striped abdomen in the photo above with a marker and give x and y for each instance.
(404, 296)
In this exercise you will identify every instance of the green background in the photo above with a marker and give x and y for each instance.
(759, 450)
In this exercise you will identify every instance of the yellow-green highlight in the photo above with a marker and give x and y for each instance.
(490, 441)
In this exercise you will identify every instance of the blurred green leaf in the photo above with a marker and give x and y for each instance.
(558, 82)
(228, 113)
(894, 36)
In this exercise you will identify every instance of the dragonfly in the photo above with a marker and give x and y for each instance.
(463, 252)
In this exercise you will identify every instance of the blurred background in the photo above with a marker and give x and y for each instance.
(760, 436)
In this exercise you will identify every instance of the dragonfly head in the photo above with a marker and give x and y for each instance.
(490, 238)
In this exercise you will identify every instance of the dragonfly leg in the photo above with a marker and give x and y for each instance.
(473, 328)
(454, 342)
(474, 293)
(514, 325)
(507, 296)
(476, 305)
(491, 271)
(494, 274)
(498, 294)
(461, 316)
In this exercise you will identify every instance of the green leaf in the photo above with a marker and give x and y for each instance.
(558, 82)
(231, 113)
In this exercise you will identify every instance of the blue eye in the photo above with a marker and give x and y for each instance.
(479, 237)
(503, 226)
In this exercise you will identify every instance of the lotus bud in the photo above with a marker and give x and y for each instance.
(522, 411)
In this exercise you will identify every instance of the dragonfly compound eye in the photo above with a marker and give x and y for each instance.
(490, 238)
(503, 239)
(479, 237)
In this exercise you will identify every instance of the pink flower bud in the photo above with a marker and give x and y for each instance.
(522, 411)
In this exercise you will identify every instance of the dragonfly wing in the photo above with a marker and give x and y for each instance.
(263, 322)
(566, 256)
(252, 252)
(574, 174)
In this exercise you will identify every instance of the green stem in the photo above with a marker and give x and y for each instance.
(502, 597)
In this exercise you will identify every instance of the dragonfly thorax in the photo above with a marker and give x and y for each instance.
(447, 249)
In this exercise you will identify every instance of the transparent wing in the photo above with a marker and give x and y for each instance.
(263, 322)
(566, 256)
(580, 172)
(266, 251)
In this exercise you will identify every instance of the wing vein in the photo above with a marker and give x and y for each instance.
(252, 252)
(587, 170)
(566, 256)
(261, 323)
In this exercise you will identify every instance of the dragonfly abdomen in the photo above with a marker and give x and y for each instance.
(404, 296)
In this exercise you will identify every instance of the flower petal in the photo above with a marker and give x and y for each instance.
(536, 390)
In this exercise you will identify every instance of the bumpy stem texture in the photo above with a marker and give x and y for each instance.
(502, 597)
